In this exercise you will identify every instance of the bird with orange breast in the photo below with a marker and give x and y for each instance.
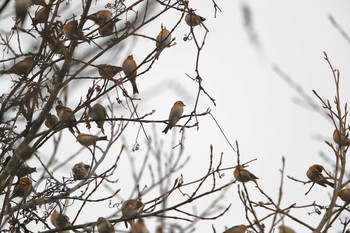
(285, 229)
(192, 19)
(175, 115)
(88, 139)
(129, 67)
(66, 116)
(131, 208)
(23, 188)
(163, 40)
(59, 221)
(243, 175)
(139, 227)
(344, 194)
(237, 229)
(21, 68)
(108, 71)
(100, 17)
(98, 114)
(104, 226)
(340, 139)
(314, 173)
(72, 32)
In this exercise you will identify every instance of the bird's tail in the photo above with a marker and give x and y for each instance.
(166, 129)
(102, 138)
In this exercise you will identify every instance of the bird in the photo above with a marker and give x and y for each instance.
(88, 139)
(80, 171)
(108, 71)
(129, 67)
(107, 28)
(73, 32)
(131, 208)
(243, 175)
(51, 121)
(23, 188)
(100, 17)
(237, 229)
(98, 113)
(59, 220)
(285, 229)
(344, 194)
(314, 173)
(163, 40)
(104, 226)
(21, 10)
(66, 116)
(139, 227)
(340, 139)
(192, 19)
(175, 115)
(24, 152)
(24, 170)
(22, 68)
(38, 2)
(41, 15)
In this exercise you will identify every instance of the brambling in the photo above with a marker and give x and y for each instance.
(344, 194)
(285, 229)
(21, 10)
(24, 170)
(237, 229)
(243, 175)
(175, 115)
(108, 71)
(41, 15)
(23, 188)
(24, 152)
(340, 139)
(129, 67)
(73, 32)
(59, 220)
(57, 46)
(88, 139)
(98, 113)
(139, 227)
(314, 173)
(192, 19)
(21, 68)
(100, 17)
(107, 29)
(163, 40)
(131, 208)
(66, 116)
(51, 121)
(80, 171)
(104, 226)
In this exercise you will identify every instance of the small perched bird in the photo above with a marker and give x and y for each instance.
(344, 194)
(237, 229)
(100, 17)
(163, 40)
(314, 173)
(24, 170)
(73, 32)
(192, 19)
(51, 121)
(23, 188)
(243, 175)
(175, 115)
(21, 9)
(340, 139)
(88, 139)
(24, 152)
(107, 29)
(57, 46)
(41, 15)
(129, 67)
(131, 208)
(139, 227)
(98, 113)
(59, 220)
(285, 229)
(104, 226)
(108, 71)
(21, 68)
(80, 171)
(66, 116)
(38, 2)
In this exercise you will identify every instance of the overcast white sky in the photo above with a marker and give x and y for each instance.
(254, 105)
